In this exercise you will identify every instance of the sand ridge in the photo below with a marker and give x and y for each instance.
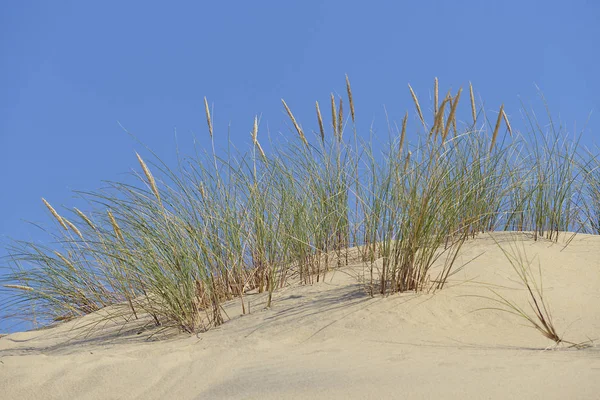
(332, 340)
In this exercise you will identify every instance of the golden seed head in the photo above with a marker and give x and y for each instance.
(506, 122)
(149, 176)
(333, 116)
(73, 227)
(340, 120)
(497, 127)
(19, 287)
(254, 135)
(298, 129)
(64, 259)
(407, 160)
(208, 119)
(435, 96)
(417, 105)
(349, 89)
(55, 214)
(473, 109)
(452, 116)
(85, 218)
(320, 119)
(115, 226)
(403, 133)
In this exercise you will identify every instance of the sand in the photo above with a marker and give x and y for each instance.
(331, 340)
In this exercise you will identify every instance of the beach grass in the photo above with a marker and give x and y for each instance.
(181, 241)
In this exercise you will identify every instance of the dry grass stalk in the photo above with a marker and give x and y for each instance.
(452, 115)
(435, 96)
(497, 128)
(115, 226)
(473, 109)
(438, 122)
(293, 119)
(320, 118)
(506, 122)
(65, 260)
(407, 161)
(208, 119)
(349, 89)
(403, 133)
(85, 218)
(73, 227)
(254, 135)
(149, 177)
(19, 287)
(340, 121)
(417, 105)
(55, 214)
(333, 115)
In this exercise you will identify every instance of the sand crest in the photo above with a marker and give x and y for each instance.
(332, 340)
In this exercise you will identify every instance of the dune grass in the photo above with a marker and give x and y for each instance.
(181, 241)
(538, 316)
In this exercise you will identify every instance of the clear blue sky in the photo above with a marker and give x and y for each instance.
(71, 71)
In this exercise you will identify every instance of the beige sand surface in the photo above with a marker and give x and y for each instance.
(331, 340)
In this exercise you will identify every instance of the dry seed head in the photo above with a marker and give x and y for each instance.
(473, 109)
(64, 259)
(55, 214)
(333, 115)
(438, 123)
(320, 118)
(73, 227)
(403, 133)
(497, 128)
(435, 96)
(85, 218)
(208, 120)
(149, 177)
(349, 89)
(407, 160)
(340, 120)
(298, 129)
(254, 135)
(115, 226)
(507, 123)
(452, 116)
(417, 105)
(19, 287)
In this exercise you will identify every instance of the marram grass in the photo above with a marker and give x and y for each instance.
(182, 241)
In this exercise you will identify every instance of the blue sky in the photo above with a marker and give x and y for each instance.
(73, 71)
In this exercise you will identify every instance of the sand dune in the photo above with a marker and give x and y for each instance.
(331, 340)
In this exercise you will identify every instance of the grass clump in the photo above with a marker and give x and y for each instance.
(539, 315)
(177, 243)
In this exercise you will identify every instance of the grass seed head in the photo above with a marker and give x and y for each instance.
(333, 116)
(208, 119)
(340, 121)
(55, 214)
(497, 127)
(473, 109)
(85, 218)
(73, 227)
(19, 287)
(115, 226)
(293, 119)
(435, 96)
(417, 105)
(320, 119)
(149, 176)
(349, 89)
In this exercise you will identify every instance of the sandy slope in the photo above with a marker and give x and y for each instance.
(331, 340)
